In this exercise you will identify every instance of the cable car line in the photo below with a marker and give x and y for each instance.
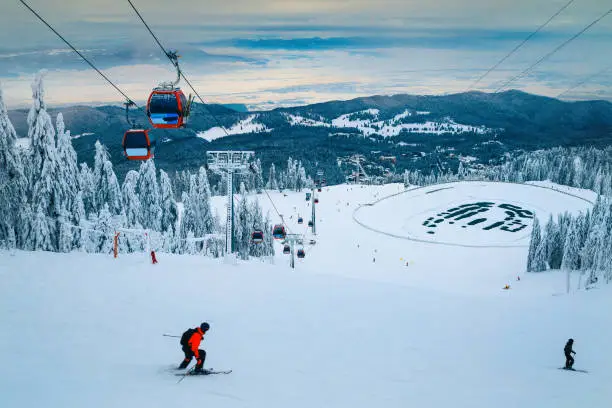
(136, 143)
(78, 53)
(173, 61)
(584, 81)
(529, 37)
(551, 53)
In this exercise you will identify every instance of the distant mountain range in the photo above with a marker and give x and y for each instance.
(419, 131)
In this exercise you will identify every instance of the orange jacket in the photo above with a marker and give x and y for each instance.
(194, 342)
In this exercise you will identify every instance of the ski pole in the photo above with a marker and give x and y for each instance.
(186, 374)
(170, 335)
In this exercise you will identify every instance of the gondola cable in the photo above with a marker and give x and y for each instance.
(127, 98)
(584, 81)
(555, 50)
(529, 37)
(139, 136)
(181, 73)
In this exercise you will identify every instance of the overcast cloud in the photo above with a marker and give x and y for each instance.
(270, 53)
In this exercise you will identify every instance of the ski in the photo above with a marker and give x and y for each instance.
(573, 369)
(205, 372)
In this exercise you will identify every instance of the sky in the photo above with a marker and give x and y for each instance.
(272, 53)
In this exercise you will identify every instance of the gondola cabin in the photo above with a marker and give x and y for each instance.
(319, 189)
(286, 249)
(137, 145)
(300, 220)
(167, 108)
(301, 253)
(307, 196)
(316, 201)
(257, 237)
(279, 232)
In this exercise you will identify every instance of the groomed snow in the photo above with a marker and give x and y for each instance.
(352, 325)
(434, 206)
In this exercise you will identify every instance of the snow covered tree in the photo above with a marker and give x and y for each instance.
(65, 236)
(259, 183)
(106, 186)
(168, 205)
(13, 183)
(87, 187)
(272, 183)
(68, 169)
(571, 248)
(148, 192)
(534, 243)
(80, 219)
(40, 131)
(40, 235)
(105, 227)
(197, 214)
(131, 201)
(243, 228)
(554, 244)
(43, 163)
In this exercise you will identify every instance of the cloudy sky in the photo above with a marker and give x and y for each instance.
(269, 53)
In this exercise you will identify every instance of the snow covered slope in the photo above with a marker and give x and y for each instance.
(352, 325)
(367, 122)
(247, 125)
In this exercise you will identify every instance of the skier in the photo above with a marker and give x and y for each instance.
(190, 342)
(569, 360)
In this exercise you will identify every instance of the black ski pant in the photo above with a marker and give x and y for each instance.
(189, 355)
(569, 360)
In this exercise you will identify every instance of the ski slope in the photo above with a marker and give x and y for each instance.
(352, 325)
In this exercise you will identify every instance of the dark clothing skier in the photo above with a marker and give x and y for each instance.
(569, 360)
(190, 342)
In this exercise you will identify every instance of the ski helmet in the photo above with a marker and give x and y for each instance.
(570, 341)
(205, 326)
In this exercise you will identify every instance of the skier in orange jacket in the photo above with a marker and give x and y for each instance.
(190, 342)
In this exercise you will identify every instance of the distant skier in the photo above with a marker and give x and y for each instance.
(190, 342)
(569, 360)
(153, 258)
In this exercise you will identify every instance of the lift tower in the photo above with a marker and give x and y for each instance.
(230, 162)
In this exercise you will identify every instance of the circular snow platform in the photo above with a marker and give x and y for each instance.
(467, 213)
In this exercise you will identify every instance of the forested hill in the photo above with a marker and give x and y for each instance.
(481, 127)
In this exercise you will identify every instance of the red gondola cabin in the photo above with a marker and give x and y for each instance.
(279, 231)
(257, 237)
(167, 108)
(137, 145)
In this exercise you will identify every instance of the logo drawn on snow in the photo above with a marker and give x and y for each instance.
(513, 221)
